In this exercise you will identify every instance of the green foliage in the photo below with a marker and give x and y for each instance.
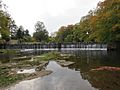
(62, 34)
(6, 51)
(50, 56)
(69, 38)
(8, 28)
(6, 79)
(4, 23)
(99, 25)
(41, 34)
(23, 35)
(13, 29)
(51, 39)
(20, 33)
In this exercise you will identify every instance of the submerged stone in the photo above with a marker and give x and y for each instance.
(108, 68)
(64, 63)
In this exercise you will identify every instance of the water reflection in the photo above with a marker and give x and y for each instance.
(87, 60)
(60, 79)
(77, 76)
(104, 80)
(7, 57)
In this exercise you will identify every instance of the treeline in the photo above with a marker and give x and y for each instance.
(99, 25)
(9, 31)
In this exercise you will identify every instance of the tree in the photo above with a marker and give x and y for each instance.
(107, 21)
(39, 26)
(99, 25)
(77, 35)
(20, 34)
(4, 23)
(63, 32)
(13, 29)
(8, 28)
(26, 32)
(41, 34)
(27, 37)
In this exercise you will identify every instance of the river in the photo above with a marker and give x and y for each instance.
(77, 76)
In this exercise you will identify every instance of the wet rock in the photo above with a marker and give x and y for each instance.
(106, 68)
(38, 74)
(22, 58)
(64, 63)
(21, 70)
(64, 55)
(42, 66)
(39, 68)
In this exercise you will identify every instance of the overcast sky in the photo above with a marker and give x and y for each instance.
(54, 13)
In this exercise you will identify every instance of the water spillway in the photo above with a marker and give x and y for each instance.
(59, 46)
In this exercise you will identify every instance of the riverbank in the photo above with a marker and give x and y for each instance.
(9, 71)
(8, 51)
(9, 74)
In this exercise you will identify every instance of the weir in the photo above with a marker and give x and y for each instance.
(59, 46)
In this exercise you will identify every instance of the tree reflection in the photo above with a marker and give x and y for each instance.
(103, 80)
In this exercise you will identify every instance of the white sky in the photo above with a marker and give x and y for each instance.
(54, 13)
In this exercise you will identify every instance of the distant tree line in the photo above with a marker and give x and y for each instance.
(99, 25)
(8, 28)
(10, 31)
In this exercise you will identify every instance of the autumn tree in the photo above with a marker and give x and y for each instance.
(108, 24)
(99, 25)
(63, 32)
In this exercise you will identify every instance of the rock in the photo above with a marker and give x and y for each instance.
(106, 68)
(64, 63)
(41, 66)
(38, 74)
(65, 55)
(22, 58)
(61, 61)
(21, 70)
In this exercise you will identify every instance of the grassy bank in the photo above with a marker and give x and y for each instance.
(8, 51)
(8, 76)
(49, 56)
(54, 56)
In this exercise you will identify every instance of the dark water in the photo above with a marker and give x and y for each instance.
(78, 76)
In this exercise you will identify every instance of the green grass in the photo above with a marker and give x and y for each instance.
(7, 79)
(49, 56)
(8, 51)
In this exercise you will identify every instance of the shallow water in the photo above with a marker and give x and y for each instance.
(60, 79)
(77, 76)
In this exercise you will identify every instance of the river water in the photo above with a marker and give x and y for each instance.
(78, 76)
(60, 79)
